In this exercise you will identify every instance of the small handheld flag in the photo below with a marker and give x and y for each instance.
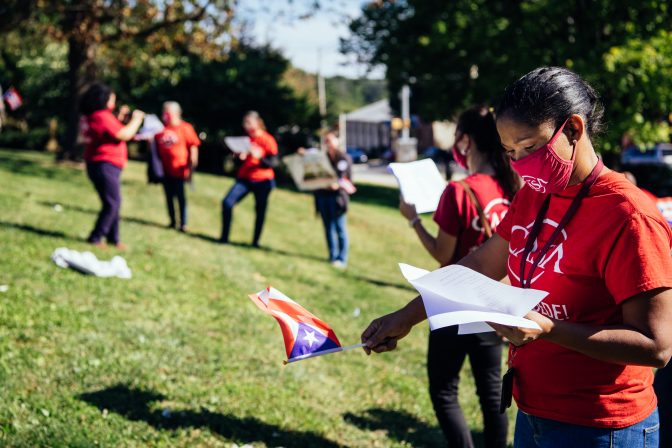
(13, 98)
(305, 335)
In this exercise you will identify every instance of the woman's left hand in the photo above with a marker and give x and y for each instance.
(256, 152)
(407, 210)
(521, 336)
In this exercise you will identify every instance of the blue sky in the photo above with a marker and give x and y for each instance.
(307, 42)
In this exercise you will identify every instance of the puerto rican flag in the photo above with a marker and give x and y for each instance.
(305, 334)
(13, 98)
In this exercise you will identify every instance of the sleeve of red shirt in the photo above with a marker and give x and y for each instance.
(191, 136)
(639, 259)
(269, 145)
(449, 209)
(110, 124)
(504, 227)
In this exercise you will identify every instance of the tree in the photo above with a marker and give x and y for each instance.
(89, 27)
(464, 51)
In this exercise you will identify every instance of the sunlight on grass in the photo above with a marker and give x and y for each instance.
(178, 356)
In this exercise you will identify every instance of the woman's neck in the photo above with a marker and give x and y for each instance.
(583, 165)
(481, 166)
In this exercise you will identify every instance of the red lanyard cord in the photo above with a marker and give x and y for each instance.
(538, 223)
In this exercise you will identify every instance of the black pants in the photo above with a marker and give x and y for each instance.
(261, 191)
(174, 189)
(663, 387)
(445, 357)
(106, 178)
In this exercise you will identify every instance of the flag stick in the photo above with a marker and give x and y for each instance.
(325, 352)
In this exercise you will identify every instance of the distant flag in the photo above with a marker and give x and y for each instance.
(13, 98)
(305, 334)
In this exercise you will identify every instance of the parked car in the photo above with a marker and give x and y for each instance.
(660, 154)
(357, 155)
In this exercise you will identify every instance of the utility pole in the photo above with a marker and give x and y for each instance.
(321, 98)
(405, 147)
(406, 112)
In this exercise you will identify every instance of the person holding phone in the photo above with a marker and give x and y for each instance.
(600, 248)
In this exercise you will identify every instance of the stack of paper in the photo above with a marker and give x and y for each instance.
(420, 182)
(239, 145)
(456, 295)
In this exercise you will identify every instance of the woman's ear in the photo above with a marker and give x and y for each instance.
(575, 128)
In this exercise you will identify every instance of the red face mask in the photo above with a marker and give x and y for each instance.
(460, 159)
(544, 170)
(166, 117)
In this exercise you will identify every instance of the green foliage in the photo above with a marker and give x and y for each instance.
(88, 361)
(465, 51)
(640, 72)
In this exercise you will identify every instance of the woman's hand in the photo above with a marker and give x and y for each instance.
(521, 336)
(256, 152)
(138, 115)
(383, 333)
(407, 210)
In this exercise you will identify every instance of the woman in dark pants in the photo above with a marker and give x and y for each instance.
(106, 155)
(489, 187)
(255, 176)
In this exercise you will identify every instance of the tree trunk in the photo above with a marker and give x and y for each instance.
(81, 71)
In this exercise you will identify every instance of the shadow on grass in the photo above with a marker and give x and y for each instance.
(38, 231)
(401, 426)
(35, 168)
(90, 211)
(136, 405)
(262, 248)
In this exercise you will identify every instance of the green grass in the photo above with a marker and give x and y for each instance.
(178, 356)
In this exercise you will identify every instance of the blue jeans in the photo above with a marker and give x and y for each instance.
(261, 191)
(174, 188)
(535, 432)
(336, 232)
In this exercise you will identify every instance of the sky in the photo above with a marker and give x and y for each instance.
(309, 43)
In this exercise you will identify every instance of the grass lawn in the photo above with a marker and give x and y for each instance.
(178, 355)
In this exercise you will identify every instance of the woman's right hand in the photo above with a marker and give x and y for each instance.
(138, 115)
(383, 333)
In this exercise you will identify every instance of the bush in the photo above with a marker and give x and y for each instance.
(35, 139)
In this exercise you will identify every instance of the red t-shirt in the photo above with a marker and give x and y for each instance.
(251, 168)
(457, 216)
(103, 146)
(173, 144)
(616, 246)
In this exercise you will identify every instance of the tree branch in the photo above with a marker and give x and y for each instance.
(197, 15)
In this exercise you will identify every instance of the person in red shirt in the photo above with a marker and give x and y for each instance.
(489, 188)
(601, 250)
(177, 146)
(254, 175)
(106, 155)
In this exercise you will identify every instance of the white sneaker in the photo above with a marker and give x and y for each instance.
(338, 264)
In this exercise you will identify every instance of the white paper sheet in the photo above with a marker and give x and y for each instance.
(151, 126)
(456, 295)
(420, 183)
(238, 145)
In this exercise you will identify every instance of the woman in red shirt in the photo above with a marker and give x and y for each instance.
(599, 247)
(489, 188)
(255, 175)
(106, 155)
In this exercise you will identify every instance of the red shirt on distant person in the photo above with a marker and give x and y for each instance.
(252, 169)
(174, 144)
(103, 146)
